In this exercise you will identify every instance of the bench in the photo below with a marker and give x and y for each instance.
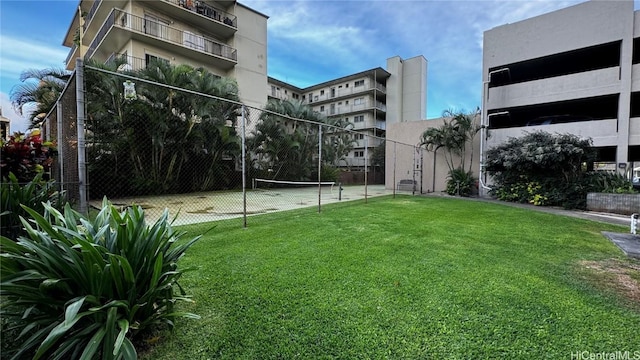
(406, 185)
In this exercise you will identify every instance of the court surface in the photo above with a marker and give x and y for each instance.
(211, 206)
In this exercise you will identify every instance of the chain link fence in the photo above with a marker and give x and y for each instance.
(165, 137)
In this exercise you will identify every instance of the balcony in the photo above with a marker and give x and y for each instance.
(200, 15)
(133, 63)
(120, 27)
(368, 105)
(336, 94)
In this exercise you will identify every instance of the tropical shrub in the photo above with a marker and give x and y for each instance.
(77, 288)
(460, 182)
(26, 155)
(549, 169)
(610, 182)
(14, 195)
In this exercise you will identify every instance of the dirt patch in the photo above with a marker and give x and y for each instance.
(620, 276)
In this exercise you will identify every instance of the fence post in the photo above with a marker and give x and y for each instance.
(244, 169)
(366, 160)
(61, 152)
(394, 169)
(82, 166)
(319, 167)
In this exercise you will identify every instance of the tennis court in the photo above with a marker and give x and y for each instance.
(212, 206)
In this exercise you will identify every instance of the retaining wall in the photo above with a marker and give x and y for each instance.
(625, 204)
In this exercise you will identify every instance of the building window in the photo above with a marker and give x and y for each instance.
(321, 92)
(358, 154)
(358, 83)
(346, 102)
(310, 97)
(322, 108)
(156, 27)
(192, 40)
(149, 59)
(358, 101)
(358, 118)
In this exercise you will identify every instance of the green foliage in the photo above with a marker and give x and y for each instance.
(378, 156)
(329, 173)
(610, 182)
(26, 155)
(82, 289)
(460, 182)
(38, 92)
(14, 195)
(162, 140)
(542, 169)
(453, 136)
(287, 149)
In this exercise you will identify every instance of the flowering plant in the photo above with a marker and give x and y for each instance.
(26, 155)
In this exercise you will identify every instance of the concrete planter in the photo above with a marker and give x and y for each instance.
(625, 204)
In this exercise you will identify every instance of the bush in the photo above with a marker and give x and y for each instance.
(609, 182)
(32, 194)
(460, 182)
(25, 156)
(81, 288)
(542, 169)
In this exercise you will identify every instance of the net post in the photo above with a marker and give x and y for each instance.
(319, 168)
(244, 170)
(80, 117)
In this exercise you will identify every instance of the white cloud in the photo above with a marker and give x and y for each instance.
(18, 123)
(18, 54)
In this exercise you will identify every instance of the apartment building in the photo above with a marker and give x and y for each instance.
(5, 127)
(225, 37)
(575, 70)
(370, 100)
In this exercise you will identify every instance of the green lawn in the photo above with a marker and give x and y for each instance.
(404, 278)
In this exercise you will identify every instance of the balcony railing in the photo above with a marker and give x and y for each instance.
(204, 9)
(90, 13)
(330, 95)
(346, 109)
(160, 30)
(70, 54)
(132, 62)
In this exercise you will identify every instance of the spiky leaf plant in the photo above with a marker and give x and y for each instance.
(81, 289)
(33, 194)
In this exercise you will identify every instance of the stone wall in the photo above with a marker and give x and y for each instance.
(625, 204)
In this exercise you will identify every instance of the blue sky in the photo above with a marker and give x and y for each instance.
(311, 41)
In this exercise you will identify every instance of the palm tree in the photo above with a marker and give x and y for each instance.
(460, 131)
(39, 92)
(433, 139)
(287, 144)
(215, 133)
(456, 132)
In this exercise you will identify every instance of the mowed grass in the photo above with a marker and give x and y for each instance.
(403, 278)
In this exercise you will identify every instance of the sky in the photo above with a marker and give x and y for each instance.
(310, 41)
